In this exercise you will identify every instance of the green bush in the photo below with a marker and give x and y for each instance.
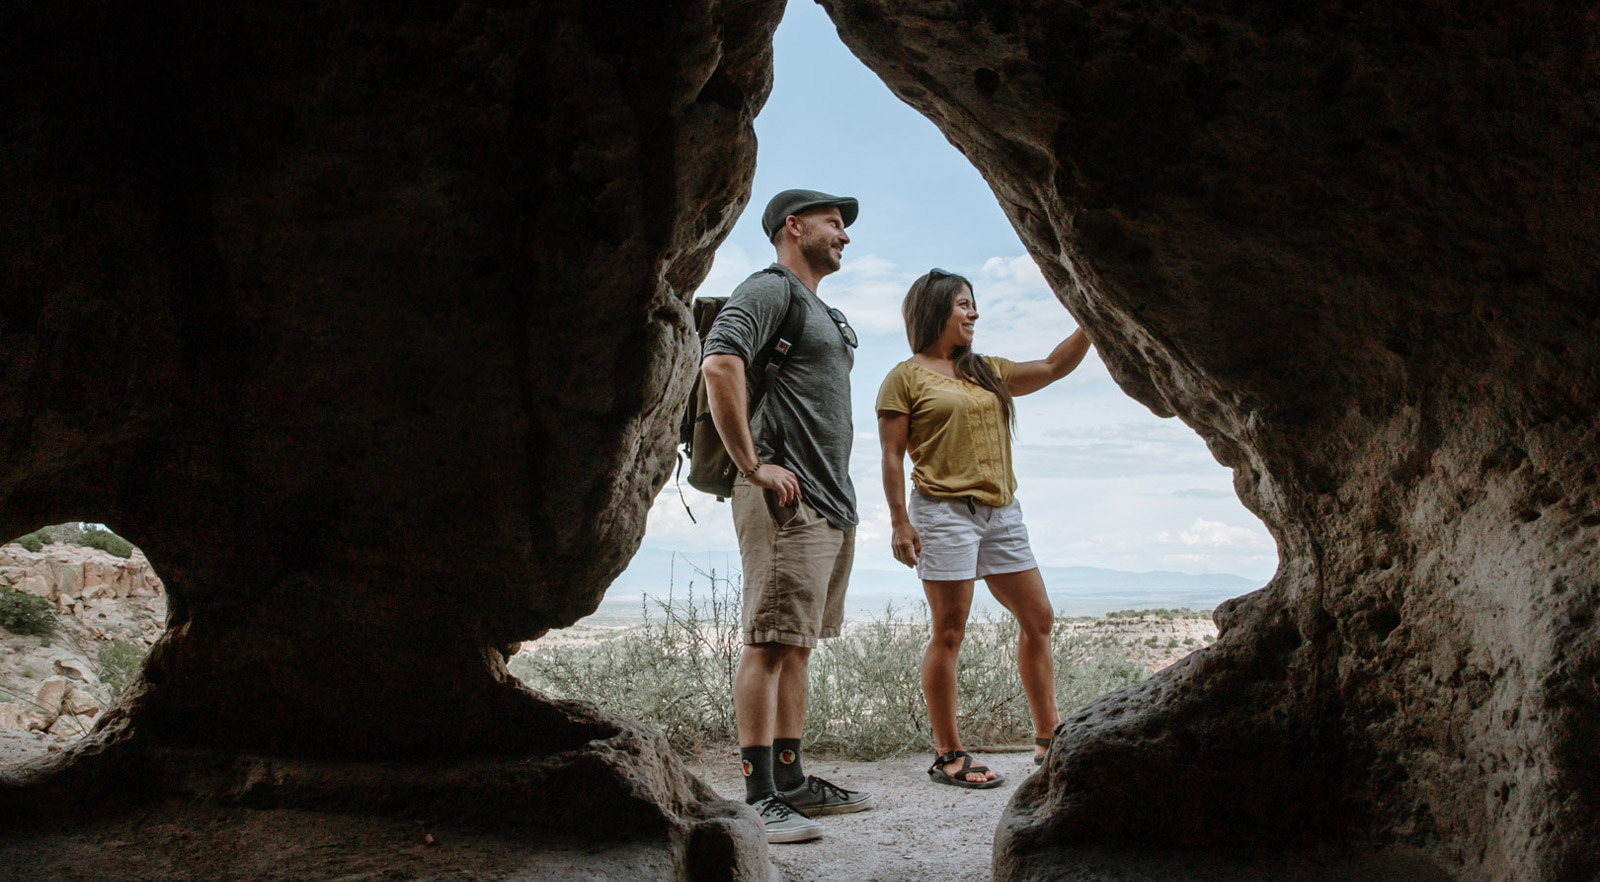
(106, 541)
(23, 613)
(36, 540)
(119, 664)
(675, 673)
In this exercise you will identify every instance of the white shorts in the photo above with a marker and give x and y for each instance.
(965, 539)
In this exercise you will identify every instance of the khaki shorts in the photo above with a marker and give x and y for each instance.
(796, 567)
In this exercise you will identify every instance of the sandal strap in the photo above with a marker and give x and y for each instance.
(1044, 742)
(951, 756)
(948, 757)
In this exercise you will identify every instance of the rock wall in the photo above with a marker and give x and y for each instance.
(57, 684)
(74, 577)
(304, 298)
(1356, 247)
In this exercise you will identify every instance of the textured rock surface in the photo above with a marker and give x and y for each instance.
(1356, 246)
(301, 298)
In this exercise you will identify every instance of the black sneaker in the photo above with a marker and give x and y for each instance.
(820, 797)
(783, 822)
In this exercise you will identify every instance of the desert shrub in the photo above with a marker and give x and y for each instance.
(106, 541)
(866, 689)
(1181, 613)
(119, 664)
(36, 540)
(24, 613)
(675, 673)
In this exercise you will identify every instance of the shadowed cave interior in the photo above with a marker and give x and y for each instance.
(296, 296)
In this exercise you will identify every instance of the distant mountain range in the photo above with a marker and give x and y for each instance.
(1074, 591)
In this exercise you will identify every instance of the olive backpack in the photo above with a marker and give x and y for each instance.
(711, 469)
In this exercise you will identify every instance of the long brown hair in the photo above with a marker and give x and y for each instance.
(926, 310)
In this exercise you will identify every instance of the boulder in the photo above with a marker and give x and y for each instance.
(48, 699)
(1356, 249)
(69, 726)
(306, 300)
(81, 703)
(13, 717)
(74, 669)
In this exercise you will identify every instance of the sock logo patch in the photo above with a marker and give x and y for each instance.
(786, 757)
(745, 765)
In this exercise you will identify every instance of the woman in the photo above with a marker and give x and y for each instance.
(952, 410)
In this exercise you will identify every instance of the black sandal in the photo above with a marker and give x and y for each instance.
(1045, 743)
(959, 779)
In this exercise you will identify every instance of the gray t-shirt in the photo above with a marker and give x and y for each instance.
(803, 424)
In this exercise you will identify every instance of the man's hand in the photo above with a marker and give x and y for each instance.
(905, 542)
(779, 480)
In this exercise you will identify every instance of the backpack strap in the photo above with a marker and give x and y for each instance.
(781, 345)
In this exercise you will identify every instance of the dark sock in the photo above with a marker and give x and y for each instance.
(757, 764)
(786, 771)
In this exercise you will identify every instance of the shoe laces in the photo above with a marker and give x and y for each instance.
(826, 787)
(776, 808)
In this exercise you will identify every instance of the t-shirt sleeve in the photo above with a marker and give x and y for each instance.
(894, 395)
(749, 318)
(1003, 367)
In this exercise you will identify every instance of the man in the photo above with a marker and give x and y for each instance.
(794, 508)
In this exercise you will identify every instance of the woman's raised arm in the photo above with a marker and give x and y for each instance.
(1031, 376)
(892, 433)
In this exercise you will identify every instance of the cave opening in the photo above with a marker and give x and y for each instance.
(80, 607)
(1110, 486)
(1128, 511)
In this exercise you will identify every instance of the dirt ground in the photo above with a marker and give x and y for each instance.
(918, 831)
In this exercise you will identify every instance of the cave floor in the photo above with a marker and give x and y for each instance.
(917, 832)
(189, 843)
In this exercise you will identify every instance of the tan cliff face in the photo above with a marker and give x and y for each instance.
(57, 685)
(301, 299)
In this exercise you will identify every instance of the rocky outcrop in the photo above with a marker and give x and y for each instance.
(1356, 248)
(108, 611)
(75, 578)
(58, 708)
(300, 299)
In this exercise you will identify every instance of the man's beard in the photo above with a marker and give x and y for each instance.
(819, 252)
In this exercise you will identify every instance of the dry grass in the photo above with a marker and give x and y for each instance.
(675, 673)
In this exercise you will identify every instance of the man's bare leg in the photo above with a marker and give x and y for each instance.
(765, 702)
(790, 718)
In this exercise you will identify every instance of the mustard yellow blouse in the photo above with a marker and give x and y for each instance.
(957, 437)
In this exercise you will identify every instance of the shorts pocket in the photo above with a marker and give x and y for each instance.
(784, 516)
(926, 512)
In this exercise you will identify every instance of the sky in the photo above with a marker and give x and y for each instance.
(1103, 482)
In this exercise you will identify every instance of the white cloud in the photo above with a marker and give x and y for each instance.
(868, 289)
(668, 525)
(730, 266)
(1216, 534)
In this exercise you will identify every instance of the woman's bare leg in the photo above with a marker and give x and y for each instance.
(948, 603)
(1024, 596)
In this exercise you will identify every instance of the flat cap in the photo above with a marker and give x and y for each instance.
(795, 201)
